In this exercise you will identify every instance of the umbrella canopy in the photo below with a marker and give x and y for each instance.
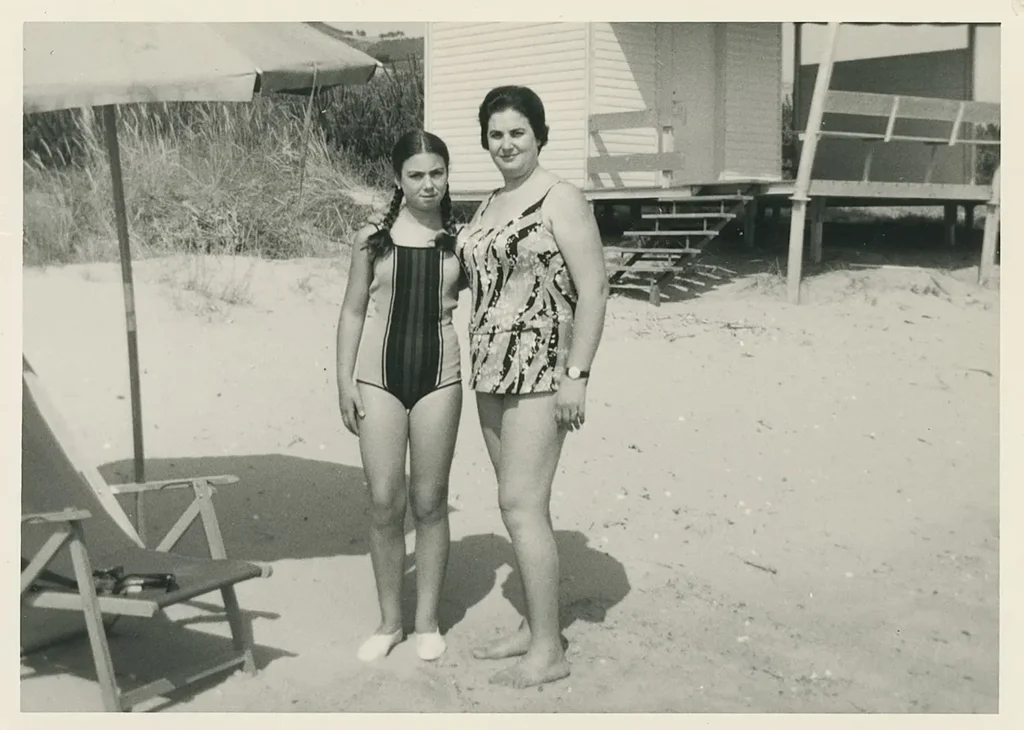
(69, 65)
(72, 65)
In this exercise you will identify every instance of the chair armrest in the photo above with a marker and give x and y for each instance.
(135, 488)
(68, 515)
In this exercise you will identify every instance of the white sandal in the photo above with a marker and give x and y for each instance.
(379, 645)
(430, 646)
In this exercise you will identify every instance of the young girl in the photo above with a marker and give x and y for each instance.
(403, 286)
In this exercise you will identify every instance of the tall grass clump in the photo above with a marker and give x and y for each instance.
(221, 178)
(363, 122)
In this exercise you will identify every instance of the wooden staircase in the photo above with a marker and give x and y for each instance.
(667, 237)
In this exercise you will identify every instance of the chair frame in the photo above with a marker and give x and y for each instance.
(67, 533)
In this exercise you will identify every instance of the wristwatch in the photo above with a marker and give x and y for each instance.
(574, 373)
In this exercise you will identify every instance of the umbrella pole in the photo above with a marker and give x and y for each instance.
(114, 154)
(305, 134)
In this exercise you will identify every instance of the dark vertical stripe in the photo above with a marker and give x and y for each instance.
(409, 336)
(416, 356)
(413, 351)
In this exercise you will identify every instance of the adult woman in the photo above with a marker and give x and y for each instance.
(533, 257)
(403, 285)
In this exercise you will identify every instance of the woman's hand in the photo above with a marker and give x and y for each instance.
(570, 403)
(351, 406)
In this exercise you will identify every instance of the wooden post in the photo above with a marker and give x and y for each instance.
(121, 217)
(988, 244)
(750, 214)
(971, 161)
(803, 177)
(798, 36)
(949, 215)
(817, 228)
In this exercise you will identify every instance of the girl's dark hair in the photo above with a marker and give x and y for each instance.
(517, 98)
(410, 144)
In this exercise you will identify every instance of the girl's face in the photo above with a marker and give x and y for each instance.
(512, 143)
(424, 180)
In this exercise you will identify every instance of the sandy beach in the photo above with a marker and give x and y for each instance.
(771, 508)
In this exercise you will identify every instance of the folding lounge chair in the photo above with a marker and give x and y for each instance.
(77, 541)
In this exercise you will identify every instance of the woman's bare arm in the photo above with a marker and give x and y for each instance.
(575, 229)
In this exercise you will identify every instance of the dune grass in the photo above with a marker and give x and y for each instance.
(248, 178)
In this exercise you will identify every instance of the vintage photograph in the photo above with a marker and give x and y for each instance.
(494, 367)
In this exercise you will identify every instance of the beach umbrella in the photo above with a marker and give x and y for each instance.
(106, 64)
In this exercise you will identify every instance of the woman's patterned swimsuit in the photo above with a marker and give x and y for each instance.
(523, 303)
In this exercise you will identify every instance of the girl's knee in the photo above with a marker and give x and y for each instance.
(429, 509)
(388, 511)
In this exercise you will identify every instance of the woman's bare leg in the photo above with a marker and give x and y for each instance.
(490, 409)
(530, 446)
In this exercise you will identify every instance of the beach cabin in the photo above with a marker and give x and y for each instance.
(631, 106)
(682, 124)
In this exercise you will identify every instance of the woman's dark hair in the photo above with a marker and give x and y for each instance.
(517, 98)
(410, 144)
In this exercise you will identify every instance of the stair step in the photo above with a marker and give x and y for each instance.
(645, 268)
(680, 234)
(650, 251)
(709, 198)
(687, 216)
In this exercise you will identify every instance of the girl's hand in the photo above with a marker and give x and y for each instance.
(351, 407)
(570, 403)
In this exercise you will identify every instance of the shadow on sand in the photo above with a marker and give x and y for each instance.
(146, 650)
(592, 581)
(282, 508)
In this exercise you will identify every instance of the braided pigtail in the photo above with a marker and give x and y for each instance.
(379, 242)
(446, 237)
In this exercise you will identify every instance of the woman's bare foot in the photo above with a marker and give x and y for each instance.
(531, 671)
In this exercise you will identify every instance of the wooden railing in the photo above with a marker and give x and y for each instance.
(665, 160)
(894, 107)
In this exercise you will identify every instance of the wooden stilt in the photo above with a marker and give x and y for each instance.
(803, 177)
(817, 206)
(990, 237)
(750, 211)
(949, 222)
(969, 223)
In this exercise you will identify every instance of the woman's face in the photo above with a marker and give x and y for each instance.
(512, 143)
(424, 180)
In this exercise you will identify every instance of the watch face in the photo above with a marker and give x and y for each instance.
(574, 372)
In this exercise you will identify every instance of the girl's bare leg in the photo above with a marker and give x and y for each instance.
(433, 428)
(383, 435)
